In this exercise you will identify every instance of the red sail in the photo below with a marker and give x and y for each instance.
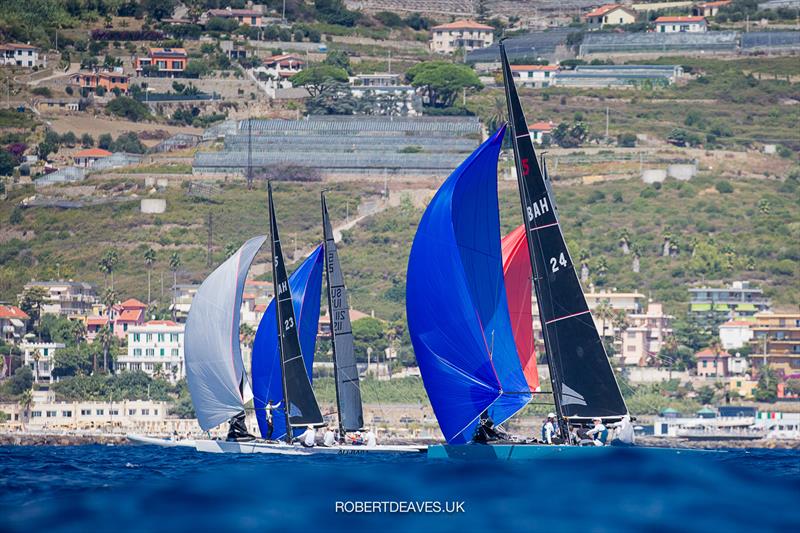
(517, 274)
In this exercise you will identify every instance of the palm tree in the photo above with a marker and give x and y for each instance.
(716, 348)
(112, 258)
(230, 249)
(106, 337)
(625, 242)
(604, 312)
(78, 330)
(108, 299)
(583, 257)
(174, 265)
(25, 403)
(665, 249)
(602, 269)
(36, 356)
(635, 266)
(105, 269)
(149, 259)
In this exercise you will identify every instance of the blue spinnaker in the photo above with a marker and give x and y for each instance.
(456, 302)
(306, 286)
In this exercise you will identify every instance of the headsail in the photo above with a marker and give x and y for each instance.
(214, 369)
(517, 275)
(348, 391)
(583, 381)
(301, 406)
(456, 301)
(305, 284)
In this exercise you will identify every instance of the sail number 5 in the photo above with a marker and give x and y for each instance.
(526, 168)
(560, 261)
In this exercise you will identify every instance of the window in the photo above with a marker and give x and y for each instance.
(160, 337)
(136, 337)
(175, 351)
(705, 364)
(137, 352)
(155, 412)
(86, 412)
(149, 337)
(36, 414)
(124, 327)
(52, 414)
(150, 352)
(131, 412)
(66, 414)
(99, 412)
(162, 352)
(631, 348)
(174, 336)
(145, 412)
(177, 65)
(114, 412)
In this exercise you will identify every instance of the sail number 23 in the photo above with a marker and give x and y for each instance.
(288, 323)
(560, 261)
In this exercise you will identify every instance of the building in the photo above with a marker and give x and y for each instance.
(245, 17)
(681, 25)
(61, 105)
(609, 15)
(127, 314)
(168, 62)
(645, 336)
(535, 75)
(87, 157)
(155, 348)
(68, 298)
(712, 306)
(108, 80)
(735, 333)
(182, 296)
(93, 326)
(738, 365)
(541, 130)
(274, 72)
(39, 357)
(256, 297)
(776, 342)
(13, 323)
(233, 50)
(711, 364)
(709, 9)
(618, 75)
(628, 302)
(392, 97)
(461, 34)
(742, 386)
(19, 55)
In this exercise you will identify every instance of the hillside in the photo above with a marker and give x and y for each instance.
(751, 232)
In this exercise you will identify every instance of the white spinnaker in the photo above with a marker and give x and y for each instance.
(214, 367)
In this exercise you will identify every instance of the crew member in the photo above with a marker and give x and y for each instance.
(624, 435)
(487, 431)
(550, 430)
(308, 437)
(268, 409)
(369, 439)
(599, 433)
(329, 438)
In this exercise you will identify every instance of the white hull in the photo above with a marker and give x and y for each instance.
(281, 448)
(164, 443)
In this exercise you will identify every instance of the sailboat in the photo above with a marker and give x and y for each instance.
(292, 358)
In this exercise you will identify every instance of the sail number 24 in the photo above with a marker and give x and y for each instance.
(560, 261)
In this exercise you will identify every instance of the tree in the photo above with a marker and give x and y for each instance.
(106, 339)
(21, 381)
(25, 403)
(317, 79)
(334, 99)
(149, 259)
(247, 335)
(31, 302)
(568, 135)
(174, 265)
(109, 298)
(87, 141)
(105, 141)
(339, 59)
(442, 81)
(77, 330)
(7, 163)
(124, 106)
(74, 360)
(129, 142)
(159, 9)
(767, 389)
(368, 333)
(605, 313)
(37, 355)
(195, 68)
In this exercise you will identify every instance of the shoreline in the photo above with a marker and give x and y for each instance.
(116, 439)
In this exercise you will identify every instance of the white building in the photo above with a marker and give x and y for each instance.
(629, 302)
(275, 71)
(681, 24)
(68, 298)
(39, 357)
(735, 334)
(182, 296)
(609, 15)
(540, 130)
(155, 348)
(393, 97)
(535, 75)
(19, 55)
(645, 335)
(12, 323)
(461, 34)
(256, 297)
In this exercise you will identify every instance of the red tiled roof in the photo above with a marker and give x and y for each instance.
(541, 126)
(161, 323)
(602, 10)
(93, 152)
(133, 303)
(131, 315)
(234, 13)
(463, 25)
(96, 321)
(661, 20)
(719, 3)
(16, 46)
(708, 352)
(526, 68)
(12, 311)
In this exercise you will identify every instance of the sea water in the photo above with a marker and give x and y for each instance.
(145, 488)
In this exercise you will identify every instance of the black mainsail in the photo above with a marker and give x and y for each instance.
(348, 391)
(301, 406)
(583, 381)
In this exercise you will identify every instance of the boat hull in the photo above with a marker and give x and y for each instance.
(164, 443)
(540, 451)
(281, 448)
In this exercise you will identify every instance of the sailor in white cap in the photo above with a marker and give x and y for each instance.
(309, 436)
(599, 433)
(549, 432)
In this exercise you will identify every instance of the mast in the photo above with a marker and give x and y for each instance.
(522, 170)
(273, 228)
(348, 392)
(583, 381)
(330, 313)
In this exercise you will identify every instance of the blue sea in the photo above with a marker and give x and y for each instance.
(127, 488)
